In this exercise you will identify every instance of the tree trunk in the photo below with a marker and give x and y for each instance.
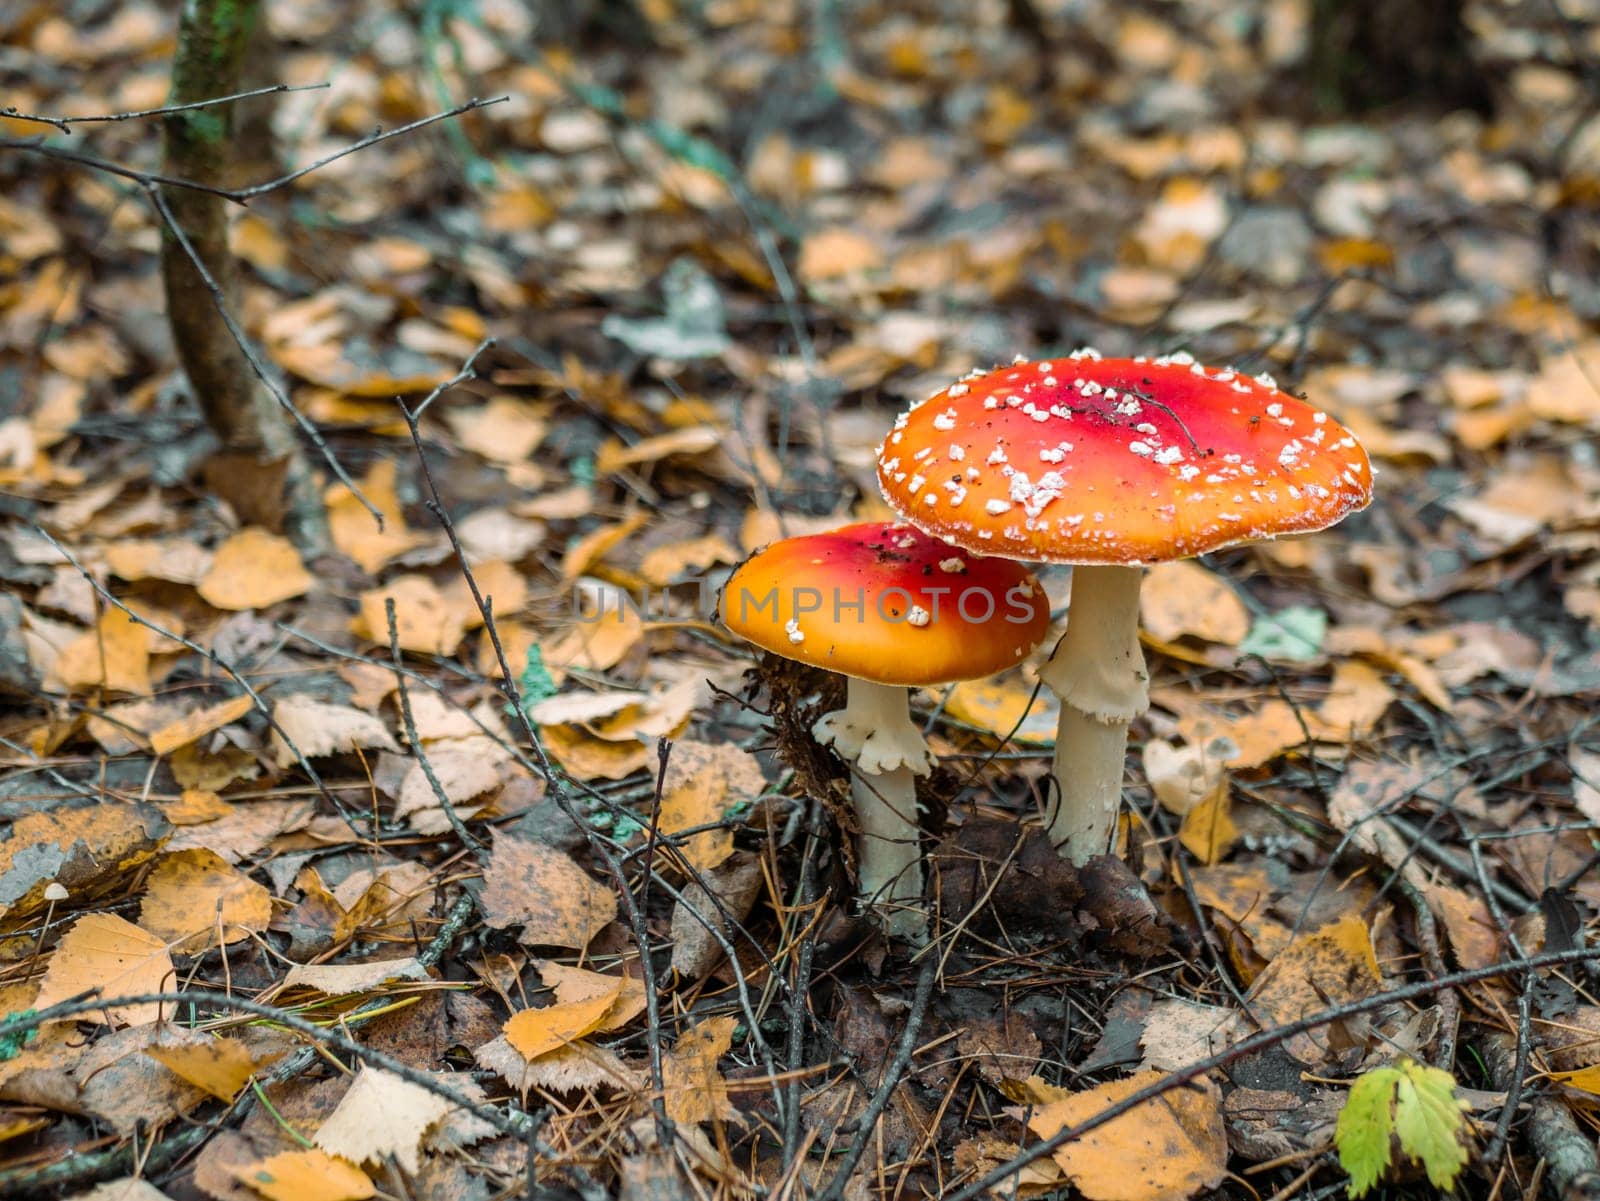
(257, 439)
(1369, 53)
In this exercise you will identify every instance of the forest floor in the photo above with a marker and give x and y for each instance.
(524, 880)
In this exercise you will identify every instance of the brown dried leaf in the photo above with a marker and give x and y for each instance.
(555, 901)
(254, 569)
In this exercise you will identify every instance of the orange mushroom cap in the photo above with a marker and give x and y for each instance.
(885, 602)
(1121, 461)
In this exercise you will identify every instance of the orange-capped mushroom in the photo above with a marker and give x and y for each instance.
(1110, 464)
(889, 607)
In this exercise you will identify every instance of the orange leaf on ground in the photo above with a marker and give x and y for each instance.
(354, 530)
(534, 1031)
(701, 782)
(425, 621)
(194, 726)
(254, 569)
(1182, 599)
(221, 1066)
(695, 1090)
(1317, 971)
(115, 655)
(306, 1176)
(115, 957)
(192, 896)
(1167, 1149)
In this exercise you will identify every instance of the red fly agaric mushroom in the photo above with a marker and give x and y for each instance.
(1112, 464)
(890, 608)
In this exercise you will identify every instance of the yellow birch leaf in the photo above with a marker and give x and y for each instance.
(305, 1176)
(194, 726)
(254, 569)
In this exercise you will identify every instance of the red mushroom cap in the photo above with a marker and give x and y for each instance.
(1129, 461)
(885, 602)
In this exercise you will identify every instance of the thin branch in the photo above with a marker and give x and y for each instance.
(65, 124)
(240, 196)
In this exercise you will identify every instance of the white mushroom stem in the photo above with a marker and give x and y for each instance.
(1098, 671)
(874, 731)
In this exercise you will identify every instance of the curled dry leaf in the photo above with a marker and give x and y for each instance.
(554, 900)
(254, 569)
(320, 729)
(426, 621)
(1166, 1149)
(193, 896)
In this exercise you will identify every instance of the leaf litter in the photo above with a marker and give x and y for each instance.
(1370, 759)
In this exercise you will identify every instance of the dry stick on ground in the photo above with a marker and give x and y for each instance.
(867, 1122)
(1249, 1046)
(211, 656)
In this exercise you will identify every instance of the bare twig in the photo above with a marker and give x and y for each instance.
(867, 1123)
(454, 818)
(241, 196)
(65, 124)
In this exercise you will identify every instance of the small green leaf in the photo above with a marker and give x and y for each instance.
(1411, 1104)
(1293, 632)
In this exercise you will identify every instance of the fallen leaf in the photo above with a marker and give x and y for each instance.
(306, 1176)
(693, 1087)
(577, 1065)
(252, 570)
(319, 729)
(1320, 969)
(381, 1116)
(356, 532)
(425, 620)
(220, 1066)
(1181, 599)
(505, 430)
(195, 726)
(535, 1031)
(831, 253)
(536, 887)
(1208, 832)
(345, 979)
(113, 956)
(85, 847)
(1166, 1149)
(115, 655)
(701, 783)
(193, 896)
(1007, 707)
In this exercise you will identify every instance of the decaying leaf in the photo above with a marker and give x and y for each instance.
(318, 729)
(107, 954)
(556, 902)
(1165, 1149)
(252, 570)
(193, 898)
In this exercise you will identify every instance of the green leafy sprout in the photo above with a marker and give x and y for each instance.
(1409, 1105)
